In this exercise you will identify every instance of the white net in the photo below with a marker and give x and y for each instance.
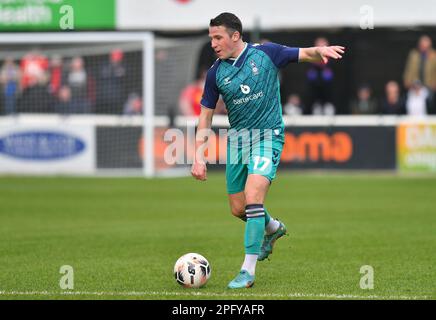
(52, 82)
(70, 78)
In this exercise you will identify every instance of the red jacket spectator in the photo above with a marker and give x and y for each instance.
(33, 69)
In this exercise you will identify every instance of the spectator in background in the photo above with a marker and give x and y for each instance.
(190, 97)
(64, 103)
(133, 105)
(293, 105)
(320, 80)
(421, 65)
(35, 96)
(56, 74)
(34, 66)
(111, 84)
(77, 80)
(364, 103)
(9, 81)
(418, 99)
(393, 103)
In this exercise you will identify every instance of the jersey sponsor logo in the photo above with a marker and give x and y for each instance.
(245, 89)
(251, 97)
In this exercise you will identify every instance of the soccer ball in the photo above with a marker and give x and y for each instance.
(192, 270)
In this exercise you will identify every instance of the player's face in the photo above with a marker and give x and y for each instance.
(222, 43)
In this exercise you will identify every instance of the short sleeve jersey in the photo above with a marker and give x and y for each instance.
(250, 86)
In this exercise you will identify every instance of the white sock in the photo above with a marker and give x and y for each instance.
(250, 263)
(272, 226)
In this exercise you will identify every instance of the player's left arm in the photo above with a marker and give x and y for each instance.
(320, 54)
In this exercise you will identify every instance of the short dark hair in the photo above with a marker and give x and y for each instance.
(228, 20)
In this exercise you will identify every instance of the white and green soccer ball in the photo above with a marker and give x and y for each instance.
(192, 270)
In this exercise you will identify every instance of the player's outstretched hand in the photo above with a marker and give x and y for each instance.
(331, 52)
(199, 171)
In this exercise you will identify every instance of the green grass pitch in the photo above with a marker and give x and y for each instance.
(122, 237)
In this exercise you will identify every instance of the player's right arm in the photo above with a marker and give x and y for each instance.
(208, 105)
(199, 169)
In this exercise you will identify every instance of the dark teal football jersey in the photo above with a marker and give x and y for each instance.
(250, 86)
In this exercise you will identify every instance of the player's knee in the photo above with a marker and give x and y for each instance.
(254, 197)
(238, 211)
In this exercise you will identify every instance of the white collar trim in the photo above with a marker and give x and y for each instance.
(236, 60)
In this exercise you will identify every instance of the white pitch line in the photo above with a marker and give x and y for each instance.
(210, 294)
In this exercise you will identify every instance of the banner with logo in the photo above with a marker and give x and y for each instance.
(273, 14)
(48, 149)
(416, 147)
(348, 147)
(318, 147)
(57, 15)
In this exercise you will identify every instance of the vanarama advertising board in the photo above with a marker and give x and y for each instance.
(339, 147)
(44, 15)
(416, 147)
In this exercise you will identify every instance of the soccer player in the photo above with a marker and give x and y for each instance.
(246, 75)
